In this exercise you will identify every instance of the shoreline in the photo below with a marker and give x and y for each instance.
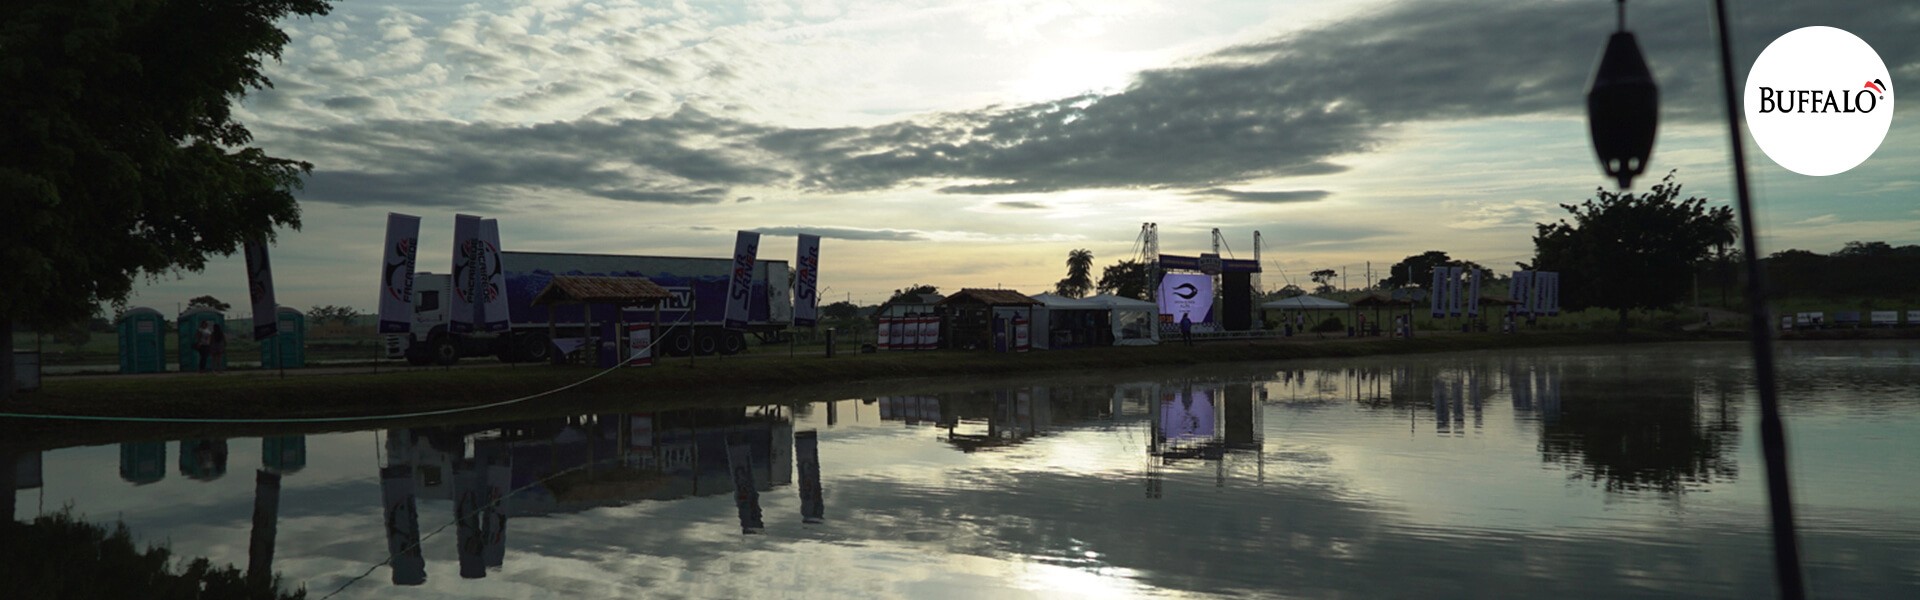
(670, 383)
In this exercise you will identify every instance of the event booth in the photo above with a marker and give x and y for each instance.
(1104, 320)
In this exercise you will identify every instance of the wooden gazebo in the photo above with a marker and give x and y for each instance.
(588, 290)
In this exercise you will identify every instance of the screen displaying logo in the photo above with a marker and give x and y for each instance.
(1186, 295)
(1819, 101)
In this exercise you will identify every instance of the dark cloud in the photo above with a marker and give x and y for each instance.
(351, 103)
(1273, 197)
(1293, 105)
(848, 233)
(454, 164)
(1021, 205)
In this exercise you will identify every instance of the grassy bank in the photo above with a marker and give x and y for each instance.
(673, 383)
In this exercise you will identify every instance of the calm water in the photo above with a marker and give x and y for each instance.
(1592, 472)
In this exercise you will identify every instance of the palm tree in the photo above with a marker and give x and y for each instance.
(1079, 275)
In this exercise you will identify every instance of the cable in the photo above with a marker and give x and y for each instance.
(427, 413)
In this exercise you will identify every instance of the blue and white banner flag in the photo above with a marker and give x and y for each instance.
(1454, 291)
(1550, 295)
(806, 281)
(396, 273)
(1437, 293)
(1520, 290)
(266, 318)
(492, 294)
(468, 262)
(1473, 294)
(746, 251)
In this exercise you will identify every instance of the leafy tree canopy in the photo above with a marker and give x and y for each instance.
(840, 310)
(915, 289)
(1415, 270)
(1627, 251)
(1127, 278)
(208, 302)
(119, 155)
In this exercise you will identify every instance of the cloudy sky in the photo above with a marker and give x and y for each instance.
(974, 143)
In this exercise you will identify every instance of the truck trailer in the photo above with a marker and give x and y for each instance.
(689, 323)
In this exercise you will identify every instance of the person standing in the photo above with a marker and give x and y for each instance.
(218, 355)
(203, 344)
(1186, 328)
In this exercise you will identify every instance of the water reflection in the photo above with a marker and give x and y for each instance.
(1637, 429)
(1571, 472)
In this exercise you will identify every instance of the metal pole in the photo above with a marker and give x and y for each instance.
(1773, 437)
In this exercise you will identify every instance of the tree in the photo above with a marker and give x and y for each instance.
(1291, 290)
(208, 302)
(1324, 278)
(1627, 251)
(840, 310)
(912, 290)
(1127, 278)
(341, 315)
(119, 156)
(1415, 270)
(1079, 275)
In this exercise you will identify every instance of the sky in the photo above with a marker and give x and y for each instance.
(975, 143)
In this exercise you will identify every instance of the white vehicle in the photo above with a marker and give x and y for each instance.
(690, 323)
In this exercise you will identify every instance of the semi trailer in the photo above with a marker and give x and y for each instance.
(689, 323)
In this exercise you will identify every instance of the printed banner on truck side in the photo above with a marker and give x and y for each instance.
(806, 279)
(746, 250)
(492, 296)
(468, 261)
(396, 273)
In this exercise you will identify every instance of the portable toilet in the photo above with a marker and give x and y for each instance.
(143, 341)
(189, 331)
(288, 348)
(142, 463)
(283, 454)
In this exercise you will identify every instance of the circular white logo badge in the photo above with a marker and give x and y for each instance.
(1819, 101)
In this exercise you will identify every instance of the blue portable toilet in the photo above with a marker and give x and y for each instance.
(142, 463)
(283, 454)
(189, 331)
(143, 341)
(288, 348)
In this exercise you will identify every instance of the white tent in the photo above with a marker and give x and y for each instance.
(1304, 303)
(1043, 315)
(1132, 320)
(1135, 322)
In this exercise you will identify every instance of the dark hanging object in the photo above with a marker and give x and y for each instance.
(1623, 107)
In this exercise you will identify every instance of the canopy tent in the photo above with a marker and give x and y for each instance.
(1304, 303)
(1062, 322)
(1100, 320)
(620, 292)
(1135, 322)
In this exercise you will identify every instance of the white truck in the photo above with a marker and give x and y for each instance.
(690, 323)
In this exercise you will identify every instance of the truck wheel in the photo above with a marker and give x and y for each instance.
(679, 342)
(732, 343)
(706, 342)
(443, 351)
(534, 347)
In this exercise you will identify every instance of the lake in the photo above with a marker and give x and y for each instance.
(1606, 472)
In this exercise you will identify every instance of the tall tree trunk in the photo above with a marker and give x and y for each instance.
(6, 365)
